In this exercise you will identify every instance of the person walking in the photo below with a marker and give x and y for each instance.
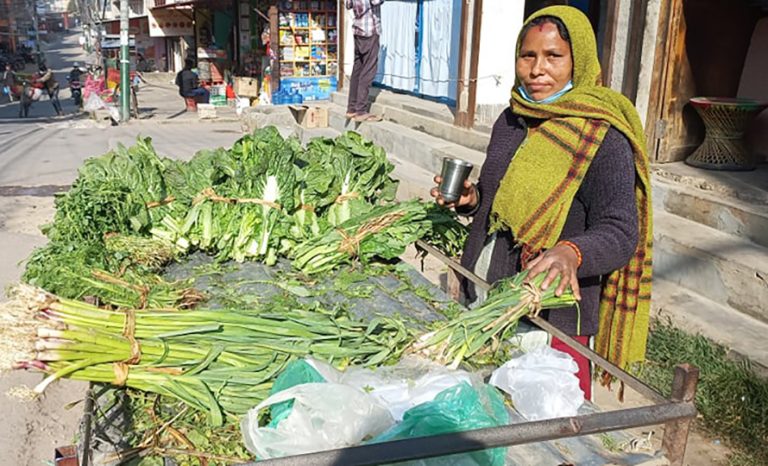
(189, 85)
(51, 86)
(366, 28)
(9, 81)
(565, 191)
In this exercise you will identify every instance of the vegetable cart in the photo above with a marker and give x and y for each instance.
(592, 437)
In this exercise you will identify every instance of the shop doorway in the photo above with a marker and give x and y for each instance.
(701, 51)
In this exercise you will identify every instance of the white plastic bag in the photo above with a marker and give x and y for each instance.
(324, 416)
(93, 102)
(542, 384)
(398, 388)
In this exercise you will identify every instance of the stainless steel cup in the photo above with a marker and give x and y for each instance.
(454, 173)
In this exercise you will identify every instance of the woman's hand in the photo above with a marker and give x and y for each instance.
(468, 198)
(561, 261)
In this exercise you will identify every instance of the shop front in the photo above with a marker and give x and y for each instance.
(172, 30)
(307, 49)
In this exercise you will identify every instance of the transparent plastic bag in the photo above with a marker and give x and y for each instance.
(323, 416)
(408, 383)
(542, 384)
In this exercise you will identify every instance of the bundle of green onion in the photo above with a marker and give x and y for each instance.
(485, 328)
(222, 362)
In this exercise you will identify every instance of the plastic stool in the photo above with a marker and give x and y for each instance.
(191, 104)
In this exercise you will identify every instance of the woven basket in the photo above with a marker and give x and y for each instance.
(725, 121)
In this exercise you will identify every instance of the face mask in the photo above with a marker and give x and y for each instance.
(546, 100)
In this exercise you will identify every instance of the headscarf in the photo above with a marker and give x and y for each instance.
(551, 165)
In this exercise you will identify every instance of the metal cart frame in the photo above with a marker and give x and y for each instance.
(676, 413)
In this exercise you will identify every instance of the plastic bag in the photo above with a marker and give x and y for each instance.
(460, 408)
(93, 102)
(323, 416)
(542, 384)
(409, 383)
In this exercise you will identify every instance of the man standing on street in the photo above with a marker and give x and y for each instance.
(366, 28)
(51, 86)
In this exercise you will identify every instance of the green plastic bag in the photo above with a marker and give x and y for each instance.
(296, 373)
(457, 409)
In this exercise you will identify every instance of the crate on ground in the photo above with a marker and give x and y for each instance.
(206, 111)
(246, 87)
(310, 116)
(218, 100)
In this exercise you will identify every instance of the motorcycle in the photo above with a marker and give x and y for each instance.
(76, 90)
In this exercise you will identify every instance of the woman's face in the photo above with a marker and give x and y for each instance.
(545, 64)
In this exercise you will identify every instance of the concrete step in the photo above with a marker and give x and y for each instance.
(423, 116)
(724, 268)
(743, 335)
(417, 148)
(724, 213)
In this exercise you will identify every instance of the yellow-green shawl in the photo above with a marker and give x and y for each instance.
(551, 164)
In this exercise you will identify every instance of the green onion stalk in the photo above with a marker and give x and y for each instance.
(220, 362)
(484, 329)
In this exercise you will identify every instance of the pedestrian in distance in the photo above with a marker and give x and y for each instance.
(9, 81)
(565, 191)
(189, 84)
(367, 29)
(50, 86)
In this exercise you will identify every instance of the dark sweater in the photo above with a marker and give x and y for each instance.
(602, 221)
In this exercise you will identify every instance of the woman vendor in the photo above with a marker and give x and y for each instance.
(565, 190)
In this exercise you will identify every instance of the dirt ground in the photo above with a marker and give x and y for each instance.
(30, 431)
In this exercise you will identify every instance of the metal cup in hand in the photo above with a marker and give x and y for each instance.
(454, 173)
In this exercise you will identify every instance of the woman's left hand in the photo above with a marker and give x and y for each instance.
(560, 260)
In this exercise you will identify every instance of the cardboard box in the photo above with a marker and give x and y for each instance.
(310, 117)
(247, 87)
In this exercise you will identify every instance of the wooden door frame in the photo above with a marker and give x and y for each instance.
(469, 49)
(667, 42)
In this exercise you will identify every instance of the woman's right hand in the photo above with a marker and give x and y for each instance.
(467, 200)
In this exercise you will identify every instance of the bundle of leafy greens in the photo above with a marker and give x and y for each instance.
(263, 198)
(383, 232)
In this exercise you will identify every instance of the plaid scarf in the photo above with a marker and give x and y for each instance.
(551, 165)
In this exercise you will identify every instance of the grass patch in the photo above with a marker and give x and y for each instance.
(731, 398)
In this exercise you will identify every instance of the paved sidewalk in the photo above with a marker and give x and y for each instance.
(159, 100)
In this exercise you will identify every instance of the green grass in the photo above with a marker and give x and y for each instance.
(731, 398)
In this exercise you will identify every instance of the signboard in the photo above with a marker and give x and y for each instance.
(211, 53)
(169, 22)
(112, 41)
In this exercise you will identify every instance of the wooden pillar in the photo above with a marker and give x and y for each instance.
(341, 38)
(274, 45)
(609, 40)
(469, 59)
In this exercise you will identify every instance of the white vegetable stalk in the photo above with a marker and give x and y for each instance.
(271, 194)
